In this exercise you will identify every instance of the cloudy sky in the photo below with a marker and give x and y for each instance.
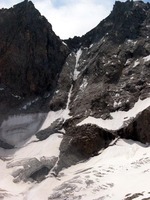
(70, 17)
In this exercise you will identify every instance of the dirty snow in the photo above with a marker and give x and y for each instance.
(16, 96)
(91, 46)
(63, 114)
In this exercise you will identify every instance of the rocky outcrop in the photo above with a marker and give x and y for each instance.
(81, 143)
(55, 127)
(32, 169)
(138, 129)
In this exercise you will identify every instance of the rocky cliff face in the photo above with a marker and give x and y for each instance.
(77, 95)
(109, 68)
(31, 55)
(113, 67)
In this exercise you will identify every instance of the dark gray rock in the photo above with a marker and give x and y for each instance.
(60, 97)
(40, 174)
(138, 129)
(118, 25)
(31, 59)
(133, 196)
(5, 145)
(32, 169)
(32, 56)
(81, 143)
(55, 127)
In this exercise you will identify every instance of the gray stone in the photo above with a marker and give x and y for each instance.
(32, 169)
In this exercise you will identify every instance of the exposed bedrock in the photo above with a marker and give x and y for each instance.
(138, 129)
(32, 169)
(81, 143)
(55, 127)
(32, 56)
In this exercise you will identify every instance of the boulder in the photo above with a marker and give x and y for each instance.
(82, 142)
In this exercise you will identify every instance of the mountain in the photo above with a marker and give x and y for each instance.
(31, 55)
(75, 114)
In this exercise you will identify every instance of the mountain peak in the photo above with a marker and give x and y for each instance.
(24, 4)
(129, 6)
(27, 7)
(29, 51)
(124, 22)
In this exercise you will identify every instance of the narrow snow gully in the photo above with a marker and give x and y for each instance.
(69, 97)
(74, 78)
(76, 72)
(63, 114)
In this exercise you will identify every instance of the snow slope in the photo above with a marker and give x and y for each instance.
(120, 171)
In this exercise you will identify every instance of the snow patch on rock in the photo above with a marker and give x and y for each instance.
(147, 58)
(118, 117)
(84, 84)
(136, 63)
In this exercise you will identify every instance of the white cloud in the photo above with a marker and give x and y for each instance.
(74, 17)
(70, 17)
